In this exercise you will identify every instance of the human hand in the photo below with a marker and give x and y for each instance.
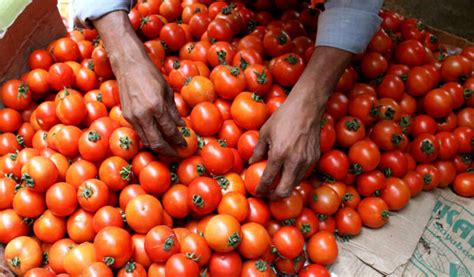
(291, 137)
(146, 98)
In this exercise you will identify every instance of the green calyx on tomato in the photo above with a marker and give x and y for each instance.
(22, 90)
(234, 239)
(389, 113)
(385, 214)
(93, 136)
(192, 256)
(108, 260)
(427, 147)
(387, 172)
(169, 243)
(288, 222)
(282, 38)
(396, 139)
(185, 132)
(374, 111)
(252, 25)
(234, 71)
(291, 59)
(257, 98)
(427, 179)
(28, 180)
(243, 63)
(261, 77)
(467, 93)
(191, 47)
(176, 64)
(352, 125)
(86, 192)
(261, 265)
(221, 55)
(222, 181)
(126, 172)
(200, 169)
(198, 201)
(15, 261)
(356, 169)
(130, 266)
(28, 221)
(305, 228)
(45, 259)
(125, 142)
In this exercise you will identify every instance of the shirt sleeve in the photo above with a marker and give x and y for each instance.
(86, 10)
(348, 24)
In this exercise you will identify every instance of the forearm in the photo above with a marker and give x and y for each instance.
(122, 44)
(322, 74)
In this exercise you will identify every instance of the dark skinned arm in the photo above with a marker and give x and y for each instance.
(291, 135)
(146, 98)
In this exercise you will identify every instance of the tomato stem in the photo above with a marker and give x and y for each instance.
(169, 243)
(130, 266)
(261, 265)
(93, 136)
(125, 172)
(305, 228)
(198, 201)
(234, 239)
(108, 260)
(15, 261)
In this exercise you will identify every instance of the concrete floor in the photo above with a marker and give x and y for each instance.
(453, 16)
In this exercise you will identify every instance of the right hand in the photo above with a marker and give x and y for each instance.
(148, 104)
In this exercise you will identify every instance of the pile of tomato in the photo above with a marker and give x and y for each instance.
(79, 195)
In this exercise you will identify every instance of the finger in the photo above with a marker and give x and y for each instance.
(173, 110)
(292, 174)
(260, 150)
(169, 129)
(155, 140)
(269, 174)
(142, 135)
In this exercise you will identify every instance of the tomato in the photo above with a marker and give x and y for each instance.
(225, 264)
(22, 254)
(234, 204)
(217, 158)
(314, 270)
(204, 194)
(322, 248)
(92, 195)
(425, 148)
(175, 201)
(180, 265)
(373, 65)
(288, 69)
(223, 233)
(49, 227)
(39, 272)
(364, 156)
(430, 174)
(11, 225)
(424, 124)
(393, 163)
(464, 184)
(107, 216)
(349, 130)
(465, 117)
(198, 24)
(151, 25)
(258, 211)
(148, 7)
(220, 52)
(325, 200)
(219, 30)
(287, 208)
(16, 95)
(396, 193)
(39, 174)
(60, 75)
(277, 42)
(11, 120)
(387, 135)
(79, 258)
(465, 137)
(86, 79)
(228, 81)
(334, 165)
(410, 52)
(364, 107)
(115, 172)
(246, 57)
(114, 246)
(97, 269)
(455, 68)
(256, 268)
(437, 103)
(348, 222)
(7, 193)
(259, 79)
(79, 226)
(206, 119)
(289, 242)
(247, 143)
(65, 49)
(373, 211)
(155, 178)
(248, 111)
(41, 59)
(143, 212)
(447, 172)
(71, 109)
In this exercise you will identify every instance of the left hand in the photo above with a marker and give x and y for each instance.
(291, 137)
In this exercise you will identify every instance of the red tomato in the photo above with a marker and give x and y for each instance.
(322, 248)
(373, 212)
(204, 195)
(249, 111)
(155, 178)
(464, 184)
